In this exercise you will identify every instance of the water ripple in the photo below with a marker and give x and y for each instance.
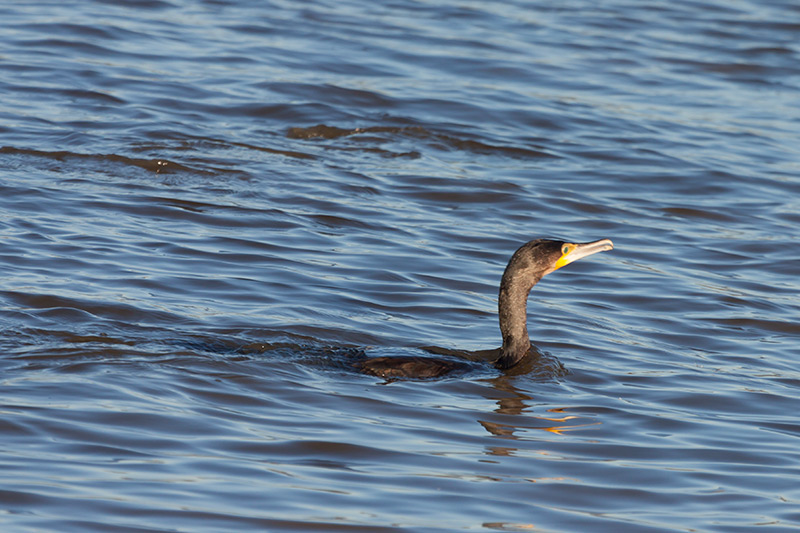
(211, 212)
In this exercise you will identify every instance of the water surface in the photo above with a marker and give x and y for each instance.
(207, 209)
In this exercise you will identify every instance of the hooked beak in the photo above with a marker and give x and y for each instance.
(572, 252)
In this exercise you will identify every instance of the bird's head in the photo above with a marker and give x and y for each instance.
(542, 256)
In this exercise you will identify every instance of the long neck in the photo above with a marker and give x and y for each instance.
(512, 303)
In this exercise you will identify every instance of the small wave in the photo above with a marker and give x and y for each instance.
(159, 165)
(440, 140)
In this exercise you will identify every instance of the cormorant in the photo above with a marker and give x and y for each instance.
(529, 264)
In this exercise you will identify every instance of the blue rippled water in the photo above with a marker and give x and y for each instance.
(209, 210)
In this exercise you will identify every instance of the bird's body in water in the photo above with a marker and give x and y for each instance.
(529, 264)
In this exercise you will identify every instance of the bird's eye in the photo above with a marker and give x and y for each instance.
(565, 249)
